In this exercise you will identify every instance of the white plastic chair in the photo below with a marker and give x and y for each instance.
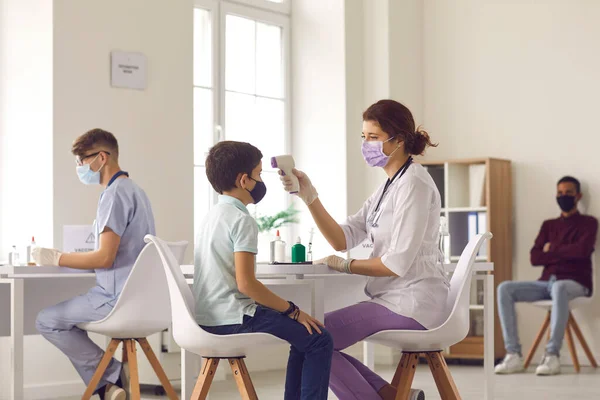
(431, 342)
(141, 310)
(189, 336)
(572, 326)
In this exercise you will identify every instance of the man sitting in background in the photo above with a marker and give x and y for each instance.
(564, 248)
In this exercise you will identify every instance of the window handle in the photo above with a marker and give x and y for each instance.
(218, 134)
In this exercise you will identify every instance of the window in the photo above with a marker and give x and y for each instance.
(241, 75)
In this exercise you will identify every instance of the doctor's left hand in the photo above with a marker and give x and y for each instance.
(43, 256)
(338, 263)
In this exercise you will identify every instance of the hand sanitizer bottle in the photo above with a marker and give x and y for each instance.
(14, 257)
(298, 252)
(30, 248)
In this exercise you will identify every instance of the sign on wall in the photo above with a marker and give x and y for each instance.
(128, 70)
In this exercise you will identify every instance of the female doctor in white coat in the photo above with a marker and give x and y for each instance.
(406, 287)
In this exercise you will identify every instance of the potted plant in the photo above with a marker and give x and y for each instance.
(267, 226)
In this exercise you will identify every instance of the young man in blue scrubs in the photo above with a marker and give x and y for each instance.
(123, 218)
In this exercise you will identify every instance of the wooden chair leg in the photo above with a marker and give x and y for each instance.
(405, 374)
(124, 354)
(572, 350)
(133, 370)
(242, 378)
(158, 370)
(396, 378)
(441, 375)
(207, 374)
(537, 340)
(581, 339)
(108, 355)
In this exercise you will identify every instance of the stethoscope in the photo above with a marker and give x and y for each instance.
(373, 218)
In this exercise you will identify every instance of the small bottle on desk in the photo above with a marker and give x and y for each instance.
(13, 257)
(298, 252)
(277, 250)
(30, 248)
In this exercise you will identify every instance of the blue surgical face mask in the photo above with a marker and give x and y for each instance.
(87, 176)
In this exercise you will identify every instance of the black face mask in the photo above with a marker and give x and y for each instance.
(259, 191)
(566, 202)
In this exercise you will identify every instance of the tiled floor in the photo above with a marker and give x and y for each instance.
(469, 380)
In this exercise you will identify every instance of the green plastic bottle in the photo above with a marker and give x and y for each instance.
(298, 252)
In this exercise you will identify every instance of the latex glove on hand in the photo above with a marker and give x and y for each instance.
(43, 256)
(307, 191)
(338, 263)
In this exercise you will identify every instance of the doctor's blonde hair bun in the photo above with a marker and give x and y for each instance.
(396, 120)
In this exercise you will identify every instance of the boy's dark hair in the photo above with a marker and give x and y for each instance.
(93, 139)
(226, 160)
(572, 180)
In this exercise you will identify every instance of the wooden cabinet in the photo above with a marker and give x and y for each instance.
(477, 196)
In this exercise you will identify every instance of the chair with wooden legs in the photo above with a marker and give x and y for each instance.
(431, 342)
(141, 310)
(572, 327)
(212, 348)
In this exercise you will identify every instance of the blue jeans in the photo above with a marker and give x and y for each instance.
(559, 291)
(309, 363)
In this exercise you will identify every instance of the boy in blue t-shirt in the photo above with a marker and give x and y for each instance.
(229, 299)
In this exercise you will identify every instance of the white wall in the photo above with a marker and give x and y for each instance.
(376, 76)
(355, 103)
(519, 80)
(154, 126)
(25, 123)
(54, 86)
(319, 105)
(393, 64)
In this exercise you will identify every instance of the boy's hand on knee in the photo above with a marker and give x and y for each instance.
(309, 322)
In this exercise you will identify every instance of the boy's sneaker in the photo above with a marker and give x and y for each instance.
(550, 365)
(511, 364)
(416, 394)
(115, 393)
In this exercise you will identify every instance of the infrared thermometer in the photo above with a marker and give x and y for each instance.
(286, 164)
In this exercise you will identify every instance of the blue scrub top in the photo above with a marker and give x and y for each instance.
(124, 208)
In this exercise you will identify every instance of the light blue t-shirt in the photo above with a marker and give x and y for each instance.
(228, 228)
(125, 209)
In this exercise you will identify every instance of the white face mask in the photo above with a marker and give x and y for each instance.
(87, 176)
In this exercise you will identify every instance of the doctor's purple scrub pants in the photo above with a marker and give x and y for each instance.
(351, 379)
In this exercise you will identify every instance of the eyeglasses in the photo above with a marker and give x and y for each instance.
(79, 161)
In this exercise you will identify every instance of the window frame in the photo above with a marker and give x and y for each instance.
(262, 11)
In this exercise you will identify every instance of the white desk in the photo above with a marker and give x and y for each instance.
(54, 284)
(318, 274)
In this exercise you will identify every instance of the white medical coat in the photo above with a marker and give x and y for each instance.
(405, 236)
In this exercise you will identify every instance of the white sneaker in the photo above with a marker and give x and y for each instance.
(550, 365)
(416, 394)
(115, 393)
(511, 364)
